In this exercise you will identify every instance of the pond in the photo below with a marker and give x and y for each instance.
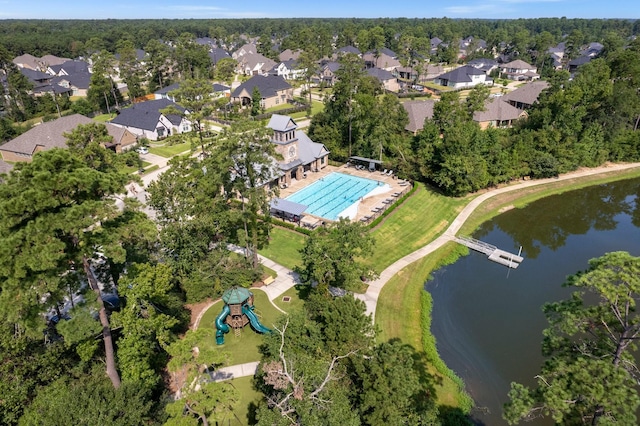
(487, 319)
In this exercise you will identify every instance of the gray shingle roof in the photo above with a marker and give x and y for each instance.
(145, 115)
(281, 123)
(380, 74)
(497, 109)
(309, 150)
(50, 134)
(71, 67)
(267, 85)
(35, 76)
(526, 94)
(349, 49)
(418, 111)
(217, 53)
(80, 80)
(461, 75)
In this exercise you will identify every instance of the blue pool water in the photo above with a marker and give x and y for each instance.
(332, 194)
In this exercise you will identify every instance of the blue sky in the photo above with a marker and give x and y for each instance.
(210, 9)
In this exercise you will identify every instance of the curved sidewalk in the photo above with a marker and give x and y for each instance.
(370, 297)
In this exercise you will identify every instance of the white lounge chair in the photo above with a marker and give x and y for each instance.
(390, 172)
(384, 172)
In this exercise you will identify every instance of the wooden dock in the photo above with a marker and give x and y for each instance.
(493, 253)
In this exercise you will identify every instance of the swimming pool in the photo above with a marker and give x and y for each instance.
(337, 195)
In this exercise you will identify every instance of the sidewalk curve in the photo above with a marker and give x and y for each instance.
(370, 297)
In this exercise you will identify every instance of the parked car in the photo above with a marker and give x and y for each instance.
(142, 150)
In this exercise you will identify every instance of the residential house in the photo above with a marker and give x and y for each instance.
(386, 78)
(77, 83)
(221, 91)
(470, 45)
(484, 64)
(289, 54)
(557, 54)
(328, 73)
(428, 73)
(146, 119)
(576, 63)
(381, 60)
(274, 90)
(51, 134)
(498, 113)
(462, 77)
(255, 64)
(299, 153)
(37, 78)
(435, 42)
(68, 68)
(526, 95)
(347, 49)
(519, 70)
(289, 70)
(246, 49)
(216, 54)
(164, 92)
(206, 41)
(39, 64)
(418, 112)
(592, 50)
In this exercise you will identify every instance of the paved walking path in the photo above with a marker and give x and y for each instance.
(370, 297)
(287, 278)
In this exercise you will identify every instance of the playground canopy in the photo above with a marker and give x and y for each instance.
(236, 295)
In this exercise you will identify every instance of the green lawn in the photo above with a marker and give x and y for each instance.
(398, 315)
(419, 220)
(279, 107)
(243, 348)
(169, 151)
(248, 396)
(297, 295)
(316, 107)
(133, 169)
(103, 118)
(284, 247)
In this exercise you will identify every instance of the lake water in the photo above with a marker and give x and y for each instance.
(488, 320)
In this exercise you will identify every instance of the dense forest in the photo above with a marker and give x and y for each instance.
(71, 38)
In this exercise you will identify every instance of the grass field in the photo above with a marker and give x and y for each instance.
(284, 247)
(169, 151)
(399, 312)
(316, 107)
(420, 219)
(248, 396)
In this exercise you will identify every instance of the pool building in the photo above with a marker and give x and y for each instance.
(311, 189)
(299, 153)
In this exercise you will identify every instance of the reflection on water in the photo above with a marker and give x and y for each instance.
(488, 320)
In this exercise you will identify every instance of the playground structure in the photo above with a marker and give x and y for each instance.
(237, 312)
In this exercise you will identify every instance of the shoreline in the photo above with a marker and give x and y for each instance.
(483, 207)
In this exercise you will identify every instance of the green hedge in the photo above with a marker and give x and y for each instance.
(291, 226)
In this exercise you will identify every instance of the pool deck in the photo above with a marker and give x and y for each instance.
(369, 208)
